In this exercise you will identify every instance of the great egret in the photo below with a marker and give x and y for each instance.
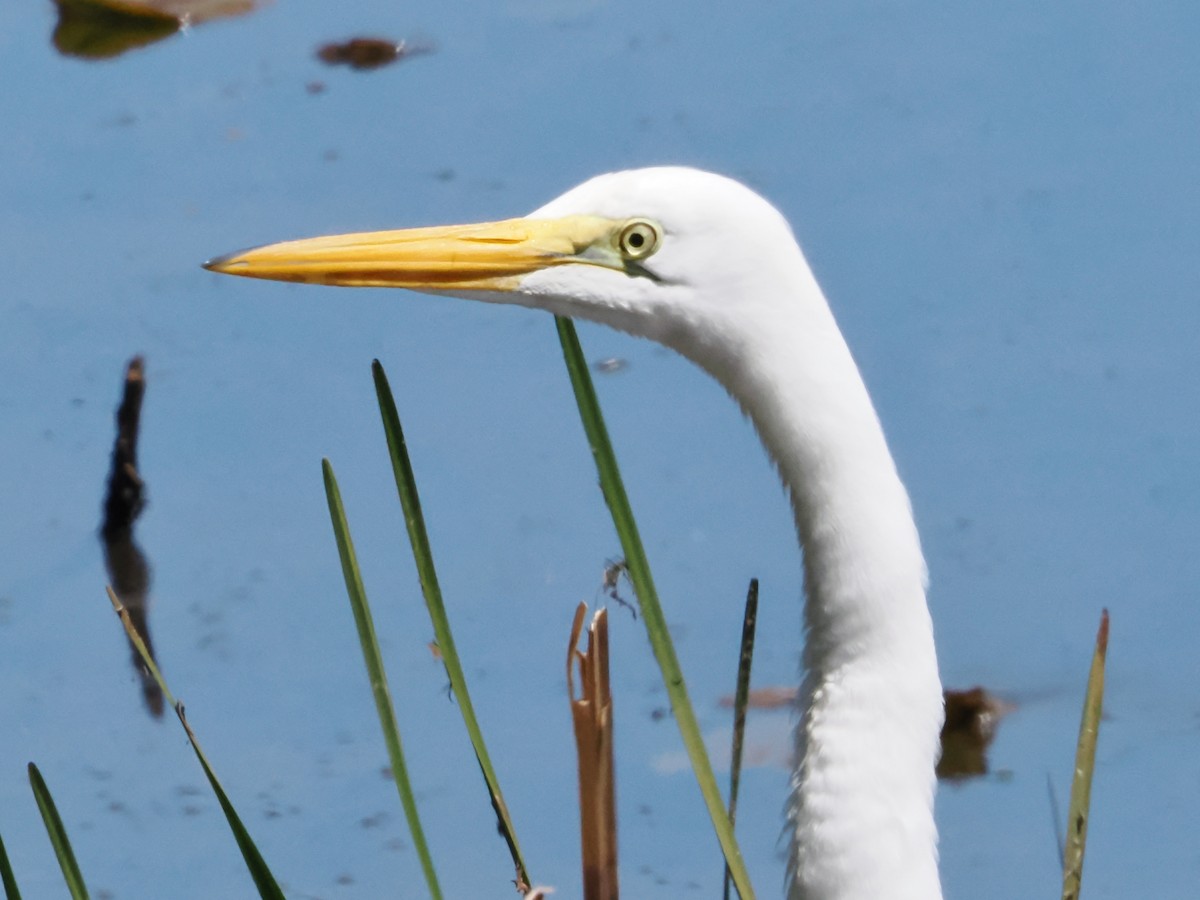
(705, 266)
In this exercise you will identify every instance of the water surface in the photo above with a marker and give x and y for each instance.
(1001, 207)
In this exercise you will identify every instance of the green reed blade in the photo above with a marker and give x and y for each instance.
(58, 835)
(257, 866)
(652, 614)
(379, 687)
(1085, 764)
(406, 486)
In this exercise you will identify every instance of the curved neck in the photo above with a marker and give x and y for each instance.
(861, 809)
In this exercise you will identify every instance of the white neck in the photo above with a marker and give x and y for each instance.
(861, 808)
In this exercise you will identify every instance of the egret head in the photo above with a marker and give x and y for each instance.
(673, 254)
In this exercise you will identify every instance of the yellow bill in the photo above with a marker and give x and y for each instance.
(488, 257)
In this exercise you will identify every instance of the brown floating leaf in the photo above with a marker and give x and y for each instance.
(971, 720)
(592, 716)
(364, 53)
(100, 29)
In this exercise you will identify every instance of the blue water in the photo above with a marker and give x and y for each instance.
(1002, 207)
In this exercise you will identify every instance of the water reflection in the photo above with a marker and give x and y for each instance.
(102, 29)
(128, 569)
(611, 365)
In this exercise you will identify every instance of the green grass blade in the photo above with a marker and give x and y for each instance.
(264, 881)
(652, 614)
(7, 878)
(379, 686)
(255, 864)
(58, 835)
(1085, 763)
(406, 486)
(741, 699)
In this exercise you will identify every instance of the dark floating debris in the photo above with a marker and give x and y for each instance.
(972, 717)
(124, 501)
(101, 29)
(364, 53)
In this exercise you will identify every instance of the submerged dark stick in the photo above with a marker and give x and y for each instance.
(128, 570)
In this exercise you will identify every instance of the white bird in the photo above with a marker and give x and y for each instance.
(703, 265)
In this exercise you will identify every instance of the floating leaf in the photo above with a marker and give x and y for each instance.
(101, 29)
(365, 53)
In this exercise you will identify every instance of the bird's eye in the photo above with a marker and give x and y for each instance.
(638, 239)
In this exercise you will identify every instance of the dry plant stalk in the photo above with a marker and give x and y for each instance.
(591, 712)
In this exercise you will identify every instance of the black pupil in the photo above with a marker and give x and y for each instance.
(636, 239)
